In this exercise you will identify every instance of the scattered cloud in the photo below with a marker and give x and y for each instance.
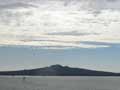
(55, 26)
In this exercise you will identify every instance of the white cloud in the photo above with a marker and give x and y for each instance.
(58, 27)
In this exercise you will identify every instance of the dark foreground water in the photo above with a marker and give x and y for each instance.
(59, 83)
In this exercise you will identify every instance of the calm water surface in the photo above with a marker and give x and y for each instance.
(59, 83)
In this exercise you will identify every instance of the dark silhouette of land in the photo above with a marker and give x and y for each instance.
(58, 70)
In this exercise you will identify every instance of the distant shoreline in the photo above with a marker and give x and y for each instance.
(58, 70)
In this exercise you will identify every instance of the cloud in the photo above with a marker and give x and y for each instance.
(72, 33)
(101, 43)
(58, 27)
(15, 5)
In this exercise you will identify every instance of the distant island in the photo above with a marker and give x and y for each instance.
(59, 70)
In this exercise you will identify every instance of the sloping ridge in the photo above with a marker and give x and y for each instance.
(58, 70)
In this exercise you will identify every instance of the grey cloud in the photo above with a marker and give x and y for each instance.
(101, 43)
(73, 33)
(15, 5)
(44, 40)
(94, 6)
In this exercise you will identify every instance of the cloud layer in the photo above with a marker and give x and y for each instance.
(60, 24)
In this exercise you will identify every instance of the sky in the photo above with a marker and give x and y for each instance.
(77, 33)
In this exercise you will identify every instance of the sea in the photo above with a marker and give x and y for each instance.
(59, 83)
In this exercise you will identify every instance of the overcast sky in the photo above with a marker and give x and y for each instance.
(78, 33)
